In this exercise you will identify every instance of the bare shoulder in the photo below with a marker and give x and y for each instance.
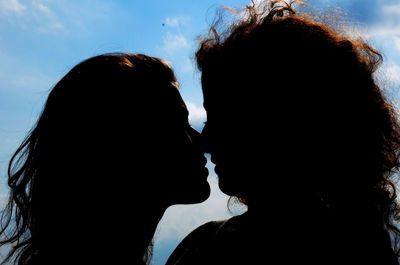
(193, 244)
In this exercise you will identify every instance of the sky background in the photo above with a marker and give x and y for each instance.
(41, 40)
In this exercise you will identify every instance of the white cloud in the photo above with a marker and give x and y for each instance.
(197, 115)
(385, 30)
(55, 17)
(11, 6)
(42, 8)
(172, 22)
(174, 42)
(174, 39)
(397, 43)
(392, 72)
(385, 36)
(391, 9)
(176, 21)
(179, 220)
(3, 200)
(32, 80)
(389, 23)
(185, 66)
(192, 216)
(33, 15)
(44, 19)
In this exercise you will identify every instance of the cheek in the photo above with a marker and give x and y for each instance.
(171, 162)
(181, 162)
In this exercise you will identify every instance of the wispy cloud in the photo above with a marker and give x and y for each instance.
(388, 24)
(197, 115)
(174, 41)
(54, 17)
(20, 79)
(42, 8)
(388, 29)
(171, 230)
(393, 9)
(177, 21)
(392, 73)
(388, 78)
(397, 43)
(11, 7)
(384, 34)
(172, 22)
(192, 216)
(47, 20)
(32, 15)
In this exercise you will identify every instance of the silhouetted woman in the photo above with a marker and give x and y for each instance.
(300, 132)
(110, 152)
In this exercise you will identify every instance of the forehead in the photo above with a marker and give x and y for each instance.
(171, 106)
(221, 90)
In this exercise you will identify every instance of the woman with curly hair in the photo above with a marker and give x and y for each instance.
(110, 152)
(301, 133)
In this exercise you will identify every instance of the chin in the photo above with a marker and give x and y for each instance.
(198, 195)
(230, 188)
(227, 190)
(204, 195)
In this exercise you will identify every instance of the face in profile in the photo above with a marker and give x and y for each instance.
(165, 162)
(183, 175)
(133, 141)
(115, 141)
(236, 136)
(225, 139)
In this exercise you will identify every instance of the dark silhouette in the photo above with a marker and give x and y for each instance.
(112, 150)
(301, 133)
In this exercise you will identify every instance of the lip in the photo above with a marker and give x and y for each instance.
(205, 171)
(217, 170)
(204, 161)
(202, 173)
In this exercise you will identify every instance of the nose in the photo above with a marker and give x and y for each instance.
(198, 142)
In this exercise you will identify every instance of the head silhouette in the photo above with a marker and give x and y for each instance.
(296, 120)
(112, 149)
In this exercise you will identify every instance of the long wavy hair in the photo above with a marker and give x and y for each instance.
(273, 42)
(82, 97)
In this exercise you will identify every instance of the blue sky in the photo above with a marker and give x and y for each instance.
(40, 40)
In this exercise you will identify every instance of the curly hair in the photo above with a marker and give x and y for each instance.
(324, 71)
